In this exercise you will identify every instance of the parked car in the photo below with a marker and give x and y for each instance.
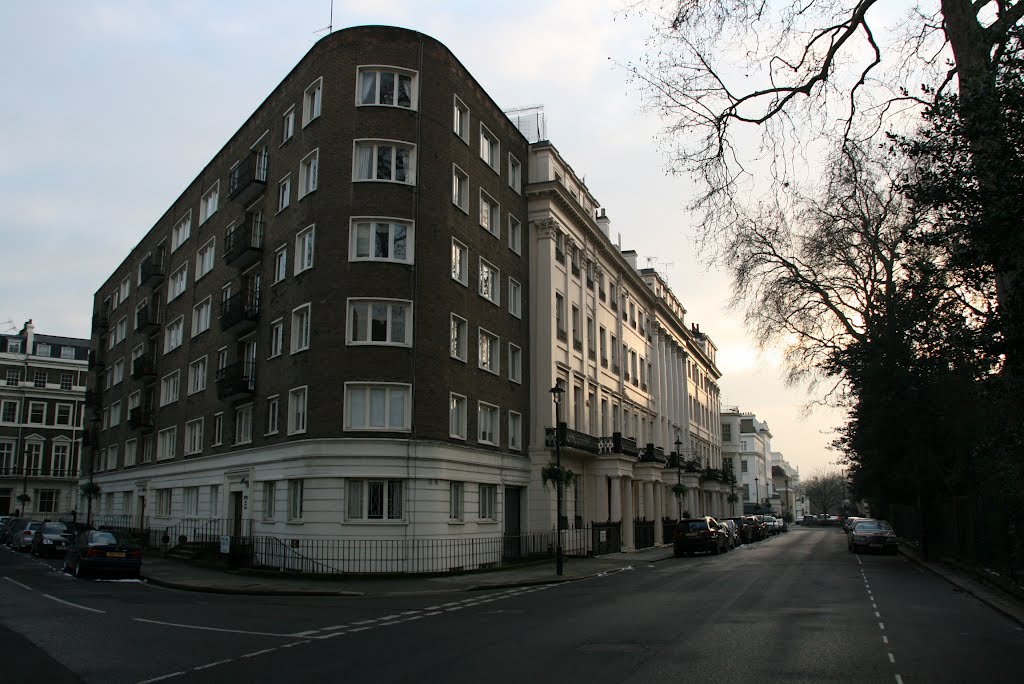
(103, 551)
(743, 530)
(5, 528)
(52, 539)
(872, 535)
(729, 525)
(849, 522)
(699, 534)
(21, 533)
(756, 527)
(774, 524)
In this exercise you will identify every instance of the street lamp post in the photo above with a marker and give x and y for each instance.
(757, 492)
(556, 395)
(679, 476)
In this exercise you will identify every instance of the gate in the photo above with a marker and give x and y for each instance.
(607, 537)
(643, 534)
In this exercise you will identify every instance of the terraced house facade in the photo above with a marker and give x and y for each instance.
(325, 335)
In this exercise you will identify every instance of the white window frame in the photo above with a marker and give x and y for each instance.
(170, 388)
(167, 443)
(180, 232)
(389, 425)
(174, 334)
(458, 332)
(369, 226)
(357, 497)
(456, 501)
(460, 119)
(515, 234)
(367, 304)
(269, 500)
(490, 214)
(276, 338)
(312, 101)
(194, 437)
(300, 341)
(515, 363)
(309, 173)
(243, 424)
(197, 372)
(177, 283)
(493, 348)
(515, 174)
(458, 416)
(32, 408)
(463, 262)
(206, 258)
(218, 429)
(487, 503)
(296, 497)
(460, 188)
(305, 247)
(379, 143)
(491, 293)
(396, 72)
(490, 148)
(280, 264)
(298, 410)
(495, 412)
(515, 431)
(284, 193)
(69, 408)
(273, 414)
(201, 321)
(515, 297)
(288, 125)
(209, 203)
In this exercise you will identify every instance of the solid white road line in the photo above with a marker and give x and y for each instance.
(160, 679)
(213, 629)
(75, 605)
(209, 665)
(892, 659)
(23, 586)
(258, 653)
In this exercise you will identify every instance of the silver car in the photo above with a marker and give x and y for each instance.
(22, 534)
(733, 531)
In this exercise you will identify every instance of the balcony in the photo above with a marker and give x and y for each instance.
(96, 361)
(147, 321)
(236, 381)
(144, 367)
(577, 343)
(652, 454)
(140, 418)
(45, 473)
(100, 323)
(562, 335)
(151, 270)
(241, 310)
(712, 474)
(624, 445)
(243, 245)
(576, 270)
(247, 180)
(93, 398)
(573, 440)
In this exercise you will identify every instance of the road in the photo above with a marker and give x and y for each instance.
(795, 608)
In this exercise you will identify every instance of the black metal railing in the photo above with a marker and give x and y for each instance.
(144, 367)
(19, 471)
(243, 244)
(560, 256)
(592, 354)
(151, 270)
(643, 534)
(249, 178)
(624, 445)
(241, 308)
(236, 380)
(604, 362)
(606, 537)
(712, 474)
(96, 360)
(577, 344)
(573, 440)
(140, 417)
(146, 320)
(562, 334)
(100, 323)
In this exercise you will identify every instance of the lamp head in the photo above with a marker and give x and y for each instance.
(557, 391)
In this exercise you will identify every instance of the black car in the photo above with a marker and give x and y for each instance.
(699, 534)
(52, 539)
(103, 551)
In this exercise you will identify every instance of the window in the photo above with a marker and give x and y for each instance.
(377, 406)
(460, 119)
(460, 189)
(178, 282)
(743, 466)
(163, 502)
(166, 444)
(169, 388)
(243, 424)
(213, 507)
(297, 411)
(14, 346)
(121, 330)
(295, 495)
(515, 174)
(269, 500)
(288, 125)
(386, 86)
(218, 429)
(284, 193)
(615, 354)
(460, 269)
(311, 101)
(374, 500)
(380, 322)
(197, 376)
(205, 258)
(515, 431)
(490, 350)
(37, 412)
(380, 240)
(194, 437)
(276, 338)
(304, 242)
(577, 340)
(201, 316)
(459, 337)
(489, 148)
(131, 448)
(13, 377)
(273, 414)
(487, 421)
(42, 349)
(488, 502)
(39, 378)
(515, 363)
(134, 400)
(490, 282)
(9, 411)
(208, 204)
(515, 298)
(515, 234)
(67, 352)
(308, 168)
(281, 264)
(173, 334)
(727, 432)
(456, 416)
(67, 379)
(591, 342)
(560, 316)
(490, 214)
(300, 328)
(455, 497)
(384, 160)
(180, 232)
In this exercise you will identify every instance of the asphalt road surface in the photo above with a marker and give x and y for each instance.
(796, 608)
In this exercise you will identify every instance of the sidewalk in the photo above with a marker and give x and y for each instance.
(971, 582)
(187, 576)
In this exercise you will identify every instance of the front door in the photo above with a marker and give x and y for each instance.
(236, 514)
(513, 540)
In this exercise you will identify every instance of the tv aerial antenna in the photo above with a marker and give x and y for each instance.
(330, 22)
(8, 326)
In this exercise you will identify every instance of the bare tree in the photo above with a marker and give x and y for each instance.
(825, 492)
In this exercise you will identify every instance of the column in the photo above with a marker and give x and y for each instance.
(659, 507)
(627, 513)
(649, 509)
(615, 504)
(600, 498)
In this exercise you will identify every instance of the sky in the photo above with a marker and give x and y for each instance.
(110, 108)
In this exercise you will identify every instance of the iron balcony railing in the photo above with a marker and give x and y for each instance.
(151, 270)
(140, 417)
(19, 471)
(100, 323)
(95, 360)
(238, 379)
(573, 439)
(243, 244)
(144, 367)
(241, 309)
(146, 320)
(249, 178)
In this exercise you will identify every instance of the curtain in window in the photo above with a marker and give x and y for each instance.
(357, 407)
(394, 499)
(364, 161)
(396, 409)
(362, 239)
(355, 499)
(368, 87)
(404, 91)
(378, 406)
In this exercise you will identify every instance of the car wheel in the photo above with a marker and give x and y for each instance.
(78, 570)
(64, 566)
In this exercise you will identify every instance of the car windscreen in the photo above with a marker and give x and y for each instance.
(697, 525)
(102, 538)
(872, 527)
(54, 528)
